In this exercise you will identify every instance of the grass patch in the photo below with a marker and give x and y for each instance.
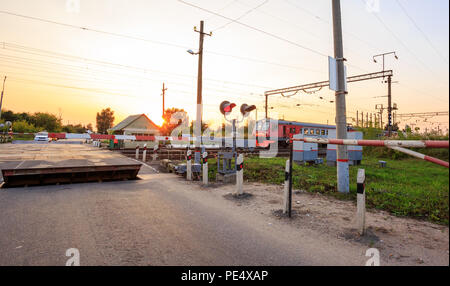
(406, 187)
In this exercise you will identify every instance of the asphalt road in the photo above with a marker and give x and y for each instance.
(159, 220)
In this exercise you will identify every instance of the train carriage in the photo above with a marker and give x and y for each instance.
(269, 131)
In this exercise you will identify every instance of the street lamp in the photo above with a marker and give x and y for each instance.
(192, 52)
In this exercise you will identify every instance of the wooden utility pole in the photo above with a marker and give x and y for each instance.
(163, 99)
(341, 117)
(198, 122)
(266, 105)
(1, 98)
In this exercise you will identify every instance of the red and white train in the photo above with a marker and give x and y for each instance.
(268, 131)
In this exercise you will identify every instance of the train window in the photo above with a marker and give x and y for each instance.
(317, 132)
(300, 131)
(327, 132)
(306, 131)
(322, 132)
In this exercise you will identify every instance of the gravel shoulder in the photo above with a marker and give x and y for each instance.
(401, 241)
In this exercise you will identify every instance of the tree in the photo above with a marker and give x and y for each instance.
(22, 126)
(105, 120)
(69, 128)
(172, 119)
(46, 121)
(89, 127)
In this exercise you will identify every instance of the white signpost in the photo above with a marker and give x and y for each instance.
(144, 154)
(189, 165)
(205, 168)
(240, 174)
(286, 188)
(361, 201)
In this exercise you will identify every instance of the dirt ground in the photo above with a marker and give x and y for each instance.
(401, 241)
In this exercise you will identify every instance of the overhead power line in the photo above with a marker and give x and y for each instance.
(136, 38)
(256, 29)
(34, 51)
(424, 35)
(242, 16)
(400, 41)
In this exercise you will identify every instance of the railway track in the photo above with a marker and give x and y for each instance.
(180, 154)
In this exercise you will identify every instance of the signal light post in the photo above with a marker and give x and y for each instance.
(226, 108)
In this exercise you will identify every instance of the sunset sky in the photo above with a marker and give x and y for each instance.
(129, 48)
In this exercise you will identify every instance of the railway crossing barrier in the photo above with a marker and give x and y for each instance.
(393, 144)
(361, 201)
(205, 168)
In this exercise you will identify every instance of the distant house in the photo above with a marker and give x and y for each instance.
(138, 124)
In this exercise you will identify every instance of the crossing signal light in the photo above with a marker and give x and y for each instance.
(246, 109)
(226, 107)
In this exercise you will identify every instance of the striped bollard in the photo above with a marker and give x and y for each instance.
(286, 188)
(155, 152)
(205, 168)
(361, 201)
(189, 165)
(239, 174)
(144, 154)
(137, 152)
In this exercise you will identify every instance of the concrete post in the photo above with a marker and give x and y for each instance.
(144, 154)
(341, 109)
(361, 201)
(137, 152)
(239, 174)
(189, 165)
(205, 168)
(286, 188)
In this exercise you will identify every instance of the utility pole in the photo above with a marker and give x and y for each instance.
(357, 118)
(163, 99)
(362, 119)
(266, 105)
(389, 82)
(341, 117)
(1, 98)
(198, 122)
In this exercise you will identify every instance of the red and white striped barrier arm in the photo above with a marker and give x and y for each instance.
(421, 156)
(379, 143)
